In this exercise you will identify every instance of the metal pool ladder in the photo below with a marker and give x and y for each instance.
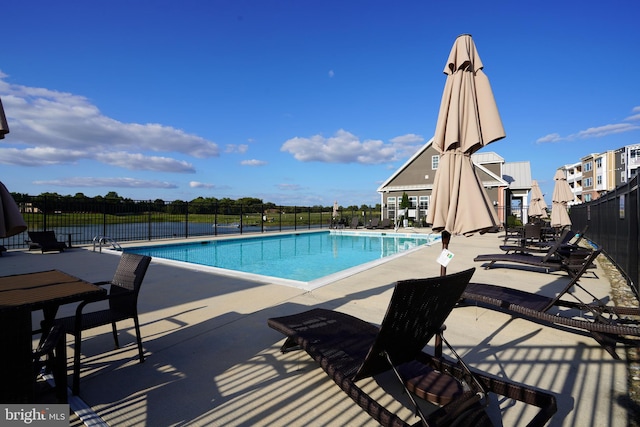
(105, 241)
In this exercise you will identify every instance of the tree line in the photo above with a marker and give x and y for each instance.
(51, 202)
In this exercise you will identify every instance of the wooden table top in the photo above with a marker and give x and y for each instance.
(45, 287)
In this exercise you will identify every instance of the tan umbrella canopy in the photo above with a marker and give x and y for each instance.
(11, 221)
(467, 121)
(537, 206)
(335, 209)
(562, 195)
(4, 126)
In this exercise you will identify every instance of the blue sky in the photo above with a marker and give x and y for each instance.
(296, 102)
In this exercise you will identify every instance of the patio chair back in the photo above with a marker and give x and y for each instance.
(416, 312)
(126, 283)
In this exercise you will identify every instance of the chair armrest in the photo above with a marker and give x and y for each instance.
(102, 283)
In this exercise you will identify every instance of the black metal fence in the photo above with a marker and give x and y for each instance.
(613, 224)
(78, 221)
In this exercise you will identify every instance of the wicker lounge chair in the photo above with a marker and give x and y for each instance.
(350, 349)
(354, 222)
(123, 302)
(384, 224)
(45, 241)
(560, 256)
(375, 222)
(569, 239)
(606, 324)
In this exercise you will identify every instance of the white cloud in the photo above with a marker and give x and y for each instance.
(196, 184)
(552, 137)
(345, 147)
(331, 73)
(600, 131)
(253, 162)
(136, 161)
(408, 139)
(289, 187)
(106, 182)
(236, 148)
(597, 131)
(60, 122)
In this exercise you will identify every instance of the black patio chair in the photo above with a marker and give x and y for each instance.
(123, 304)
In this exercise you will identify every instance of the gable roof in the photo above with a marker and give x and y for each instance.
(406, 164)
(479, 159)
(517, 175)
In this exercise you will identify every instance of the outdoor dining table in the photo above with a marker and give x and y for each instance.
(20, 295)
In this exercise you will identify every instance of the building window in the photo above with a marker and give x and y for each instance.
(623, 176)
(587, 197)
(587, 182)
(599, 163)
(424, 202)
(435, 161)
(587, 166)
(599, 180)
(391, 207)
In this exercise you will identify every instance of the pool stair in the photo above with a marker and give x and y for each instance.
(101, 241)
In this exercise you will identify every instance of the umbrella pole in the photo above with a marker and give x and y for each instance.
(446, 237)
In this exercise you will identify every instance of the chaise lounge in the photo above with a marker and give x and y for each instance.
(45, 241)
(608, 325)
(350, 349)
(560, 256)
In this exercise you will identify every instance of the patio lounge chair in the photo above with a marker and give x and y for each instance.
(384, 224)
(538, 246)
(606, 324)
(354, 222)
(45, 241)
(375, 222)
(557, 257)
(350, 349)
(566, 237)
(123, 304)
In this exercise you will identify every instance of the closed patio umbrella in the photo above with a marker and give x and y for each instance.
(11, 221)
(467, 121)
(4, 126)
(562, 195)
(537, 206)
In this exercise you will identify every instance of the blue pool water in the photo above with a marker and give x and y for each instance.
(301, 257)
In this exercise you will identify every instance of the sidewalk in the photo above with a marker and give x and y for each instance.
(212, 359)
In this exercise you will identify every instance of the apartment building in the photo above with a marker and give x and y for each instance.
(598, 173)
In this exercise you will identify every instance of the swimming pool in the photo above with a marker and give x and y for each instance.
(310, 259)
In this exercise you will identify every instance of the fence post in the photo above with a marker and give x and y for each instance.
(104, 217)
(44, 216)
(215, 219)
(186, 221)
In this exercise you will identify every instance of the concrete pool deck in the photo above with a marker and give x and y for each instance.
(212, 359)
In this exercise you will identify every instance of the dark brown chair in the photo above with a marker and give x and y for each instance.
(350, 349)
(123, 304)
